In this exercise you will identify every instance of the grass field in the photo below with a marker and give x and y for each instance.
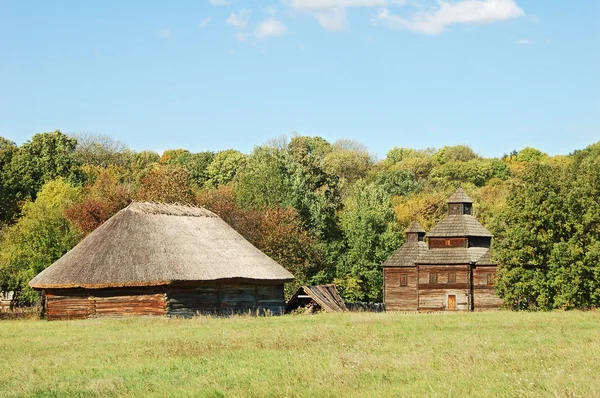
(360, 354)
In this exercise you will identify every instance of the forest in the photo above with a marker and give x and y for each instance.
(328, 212)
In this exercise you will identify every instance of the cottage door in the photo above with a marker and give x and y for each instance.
(451, 302)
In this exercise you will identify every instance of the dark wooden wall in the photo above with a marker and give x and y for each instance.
(184, 301)
(225, 299)
(396, 297)
(483, 292)
(441, 243)
(434, 296)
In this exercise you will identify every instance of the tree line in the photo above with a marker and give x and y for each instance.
(328, 212)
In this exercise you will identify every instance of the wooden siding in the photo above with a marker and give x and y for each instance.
(484, 296)
(83, 303)
(184, 301)
(434, 296)
(396, 297)
(441, 243)
(225, 299)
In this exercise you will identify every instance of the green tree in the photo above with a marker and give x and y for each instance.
(46, 157)
(457, 153)
(195, 163)
(371, 234)
(40, 237)
(224, 167)
(9, 207)
(548, 238)
(528, 154)
(166, 183)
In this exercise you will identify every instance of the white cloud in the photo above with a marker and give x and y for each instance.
(239, 19)
(325, 4)
(204, 23)
(219, 2)
(524, 42)
(241, 36)
(165, 33)
(333, 19)
(464, 11)
(270, 27)
(230, 52)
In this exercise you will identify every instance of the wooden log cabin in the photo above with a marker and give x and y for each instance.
(163, 260)
(452, 271)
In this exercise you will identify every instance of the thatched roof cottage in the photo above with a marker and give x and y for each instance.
(159, 259)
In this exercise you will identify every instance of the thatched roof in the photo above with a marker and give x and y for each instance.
(148, 244)
(326, 296)
(456, 255)
(460, 196)
(406, 255)
(457, 226)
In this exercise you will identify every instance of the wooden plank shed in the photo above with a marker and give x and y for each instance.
(321, 297)
(165, 260)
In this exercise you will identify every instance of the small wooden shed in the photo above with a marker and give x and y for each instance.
(159, 259)
(315, 298)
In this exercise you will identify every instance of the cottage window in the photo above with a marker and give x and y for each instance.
(403, 280)
(433, 277)
(490, 279)
(452, 277)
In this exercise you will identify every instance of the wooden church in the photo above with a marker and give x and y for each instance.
(452, 271)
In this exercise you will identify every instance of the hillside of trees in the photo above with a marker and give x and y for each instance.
(328, 212)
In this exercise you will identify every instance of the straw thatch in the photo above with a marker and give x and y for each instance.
(149, 244)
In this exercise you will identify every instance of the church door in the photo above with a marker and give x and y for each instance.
(451, 302)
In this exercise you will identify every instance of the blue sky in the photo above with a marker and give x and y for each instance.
(210, 75)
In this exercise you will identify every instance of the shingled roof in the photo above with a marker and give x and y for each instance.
(415, 227)
(459, 225)
(406, 255)
(149, 244)
(456, 255)
(460, 196)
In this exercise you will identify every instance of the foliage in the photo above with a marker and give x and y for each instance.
(528, 154)
(451, 154)
(398, 181)
(46, 157)
(223, 167)
(40, 237)
(195, 163)
(370, 231)
(548, 239)
(476, 171)
(167, 184)
(8, 186)
(100, 150)
(102, 200)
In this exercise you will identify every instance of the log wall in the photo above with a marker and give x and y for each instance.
(484, 295)
(441, 243)
(225, 299)
(97, 303)
(396, 297)
(434, 296)
(184, 301)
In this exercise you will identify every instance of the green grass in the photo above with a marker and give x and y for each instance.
(361, 354)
